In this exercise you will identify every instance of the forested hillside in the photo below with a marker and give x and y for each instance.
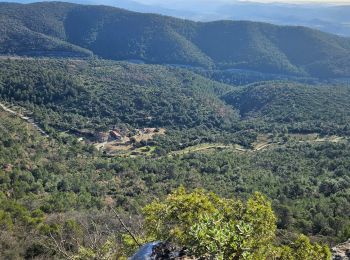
(298, 107)
(60, 190)
(71, 95)
(98, 157)
(62, 29)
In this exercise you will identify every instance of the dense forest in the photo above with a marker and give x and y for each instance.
(286, 140)
(68, 95)
(220, 140)
(55, 190)
(63, 29)
(99, 94)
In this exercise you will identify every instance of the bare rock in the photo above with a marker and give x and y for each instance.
(160, 251)
(341, 251)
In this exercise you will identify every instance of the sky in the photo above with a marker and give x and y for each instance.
(263, 1)
(308, 1)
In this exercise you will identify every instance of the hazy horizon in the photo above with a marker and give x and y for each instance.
(327, 16)
(181, 3)
(162, 2)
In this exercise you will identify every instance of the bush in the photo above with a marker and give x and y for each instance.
(220, 228)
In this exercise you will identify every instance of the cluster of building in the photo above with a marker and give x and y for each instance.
(123, 136)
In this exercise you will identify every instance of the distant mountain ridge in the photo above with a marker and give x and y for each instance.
(64, 29)
(331, 17)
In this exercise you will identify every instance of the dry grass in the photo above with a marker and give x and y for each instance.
(125, 147)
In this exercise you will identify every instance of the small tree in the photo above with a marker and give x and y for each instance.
(217, 228)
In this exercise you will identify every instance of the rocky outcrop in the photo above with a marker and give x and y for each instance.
(160, 250)
(341, 251)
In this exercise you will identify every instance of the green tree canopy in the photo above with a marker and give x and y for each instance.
(220, 228)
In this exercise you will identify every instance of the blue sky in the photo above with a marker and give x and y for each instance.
(228, 1)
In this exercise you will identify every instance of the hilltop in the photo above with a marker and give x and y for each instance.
(64, 29)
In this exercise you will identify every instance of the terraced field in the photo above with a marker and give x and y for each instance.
(263, 142)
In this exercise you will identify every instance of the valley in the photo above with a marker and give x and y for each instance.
(123, 144)
(118, 129)
(262, 143)
(125, 134)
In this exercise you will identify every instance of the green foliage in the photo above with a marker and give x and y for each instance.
(63, 29)
(294, 176)
(86, 97)
(105, 252)
(303, 249)
(61, 178)
(129, 245)
(5, 220)
(300, 108)
(46, 181)
(191, 108)
(13, 213)
(163, 218)
(241, 232)
(223, 228)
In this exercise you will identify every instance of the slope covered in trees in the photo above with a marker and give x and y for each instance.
(61, 197)
(299, 107)
(207, 225)
(77, 94)
(60, 192)
(119, 34)
(96, 95)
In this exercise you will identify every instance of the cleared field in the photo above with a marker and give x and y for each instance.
(126, 144)
(263, 142)
(206, 147)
